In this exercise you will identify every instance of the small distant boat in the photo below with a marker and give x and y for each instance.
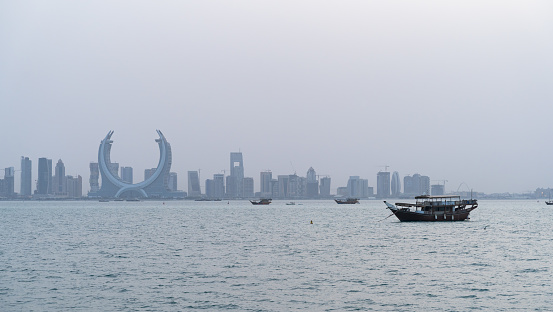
(549, 202)
(118, 199)
(103, 200)
(262, 201)
(348, 201)
(434, 208)
(291, 203)
(132, 199)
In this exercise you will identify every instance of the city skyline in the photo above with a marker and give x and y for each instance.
(459, 91)
(386, 186)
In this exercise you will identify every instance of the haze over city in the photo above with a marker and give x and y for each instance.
(455, 91)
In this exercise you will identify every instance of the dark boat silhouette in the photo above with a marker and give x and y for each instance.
(434, 208)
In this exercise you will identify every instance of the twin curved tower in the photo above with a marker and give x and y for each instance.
(156, 186)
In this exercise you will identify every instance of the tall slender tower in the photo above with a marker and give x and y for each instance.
(396, 184)
(265, 188)
(236, 178)
(60, 184)
(383, 184)
(194, 184)
(94, 177)
(44, 176)
(26, 176)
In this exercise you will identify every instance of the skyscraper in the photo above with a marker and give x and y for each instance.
(59, 182)
(358, 188)
(173, 181)
(312, 187)
(218, 185)
(26, 176)
(416, 185)
(126, 174)
(7, 189)
(396, 184)
(324, 187)
(74, 186)
(194, 184)
(383, 184)
(148, 173)
(235, 184)
(94, 177)
(283, 181)
(248, 187)
(265, 178)
(44, 176)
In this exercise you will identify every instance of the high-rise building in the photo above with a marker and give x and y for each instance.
(173, 181)
(296, 186)
(59, 182)
(74, 186)
(194, 184)
(312, 186)
(358, 188)
(44, 176)
(126, 174)
(155, 184)
(26, 176)
(408, 187)
(283, 181)
(265, 178)
(218, 185)
(416, 185)
(425, 185)
(7, 185)
(148, 173)
(235, 184)
(94, 177)
(274, 188)
(438, 189)
(248, 187)
(396, 184)
(209, 191)
(383, 184)
(324, 187)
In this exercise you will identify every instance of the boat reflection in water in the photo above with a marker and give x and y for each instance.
(434, 208)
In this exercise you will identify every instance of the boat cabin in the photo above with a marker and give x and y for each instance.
(433, 204)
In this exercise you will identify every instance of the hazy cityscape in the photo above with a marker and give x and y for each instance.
(52, 183)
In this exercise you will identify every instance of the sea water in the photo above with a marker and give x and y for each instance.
(231, 255)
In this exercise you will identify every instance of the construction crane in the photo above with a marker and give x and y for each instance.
(385, 167)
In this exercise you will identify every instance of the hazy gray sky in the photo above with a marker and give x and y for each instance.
(459, 90)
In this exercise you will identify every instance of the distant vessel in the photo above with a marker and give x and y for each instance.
(208, 199)
(103, 200)
(434, 208)
(132, 199)
(262, 201)
(291, 203)
(347, 201)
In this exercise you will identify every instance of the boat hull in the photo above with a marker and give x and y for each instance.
(410, 216)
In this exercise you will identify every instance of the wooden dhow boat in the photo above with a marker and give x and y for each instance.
(262, 201)
(434, 208)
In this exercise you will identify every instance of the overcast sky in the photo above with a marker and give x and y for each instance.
(457, 90)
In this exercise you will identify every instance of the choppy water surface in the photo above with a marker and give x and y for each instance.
(155, 256)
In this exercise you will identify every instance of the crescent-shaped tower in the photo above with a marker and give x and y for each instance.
(156, 186)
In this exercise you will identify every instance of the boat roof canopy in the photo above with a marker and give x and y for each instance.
(434, 197)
